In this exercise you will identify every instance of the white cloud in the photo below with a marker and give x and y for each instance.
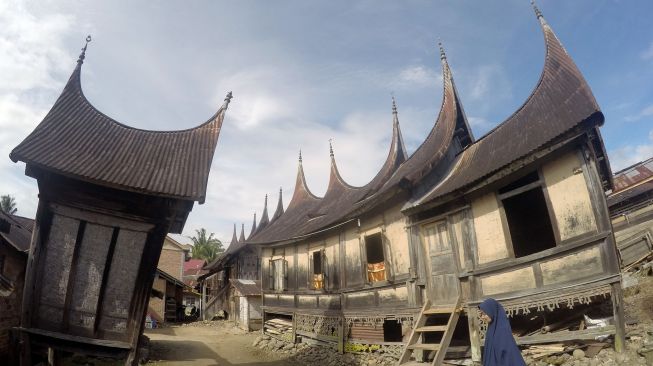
(645, 112)
(32, 69)
(479, 125)
(629, 155)
(648, 53)
(418, 76)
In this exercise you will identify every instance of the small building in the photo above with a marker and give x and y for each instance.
(631, 212)
(193, 269)
(166, 299)
(15, 235)
(228, 286)
(108, 196)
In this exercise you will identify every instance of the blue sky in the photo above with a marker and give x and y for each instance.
(306, 72)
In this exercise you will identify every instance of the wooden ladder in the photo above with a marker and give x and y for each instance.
(416, 340)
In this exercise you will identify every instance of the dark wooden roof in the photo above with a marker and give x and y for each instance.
(17, 231)
(307, 213)
(561, 101)
(78, 141)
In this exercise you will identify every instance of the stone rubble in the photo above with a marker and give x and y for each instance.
(639, 343)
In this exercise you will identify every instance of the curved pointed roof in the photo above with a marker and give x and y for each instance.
(241, 239)
(253, 231)
(560, 101)
(234, 237)
(265, 220)
(308, 213)
(279, 211)
(78, 141)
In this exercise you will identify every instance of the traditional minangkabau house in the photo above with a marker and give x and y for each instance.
(232, 285)
(631, 211)
(108, 195)
(15, 235)
(519, 215)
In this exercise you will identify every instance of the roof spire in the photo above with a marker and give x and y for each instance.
(82, 55)
(538, 13)
(330, 147)
(443, 55)
(394, 105)
(300, 156)
(227, 99)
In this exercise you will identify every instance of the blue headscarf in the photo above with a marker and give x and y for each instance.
(500, 347)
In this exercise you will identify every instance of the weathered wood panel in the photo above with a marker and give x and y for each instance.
(88, 279)
(302, 267)
(393, 296)
(121, 282)
(292, 268)
(395, 231)
(490, 237)
(517, 280)
(307, 301)
(570, 198)
(329, 301)
(360, 299)
(457, 222)
(353, 264)
(572, 267)
(332, 251)
(60, 246)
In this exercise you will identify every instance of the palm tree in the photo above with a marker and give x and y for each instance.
(206, 246)
(8, 204)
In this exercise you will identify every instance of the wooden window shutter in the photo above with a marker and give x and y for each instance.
(270, 274)
(387, 258)
(285, 274)
(309, 277)
(323, 266)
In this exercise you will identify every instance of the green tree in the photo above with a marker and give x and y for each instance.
(8, 204)
(206, 246)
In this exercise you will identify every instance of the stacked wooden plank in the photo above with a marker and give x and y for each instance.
(279, 327)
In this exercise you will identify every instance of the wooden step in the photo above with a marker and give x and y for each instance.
(439, 311)
(425, 346)
(432, 328)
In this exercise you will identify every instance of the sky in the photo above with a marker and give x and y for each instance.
(303, 73)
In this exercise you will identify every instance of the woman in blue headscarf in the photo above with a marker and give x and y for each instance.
(500, 347)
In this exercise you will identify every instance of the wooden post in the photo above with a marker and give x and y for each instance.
(294, 328)
(474, 336)
(619, 320)
(341, 334)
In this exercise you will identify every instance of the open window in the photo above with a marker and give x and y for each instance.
(317, 272)
(278, 275)
(376, 267)
(527, 214)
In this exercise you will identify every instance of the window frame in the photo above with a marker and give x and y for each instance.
(311, 270)
(365, 261)
(538, 184)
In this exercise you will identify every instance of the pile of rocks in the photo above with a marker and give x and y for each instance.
(328, 355)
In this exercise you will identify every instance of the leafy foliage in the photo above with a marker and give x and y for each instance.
(8, 204)
(206, 246)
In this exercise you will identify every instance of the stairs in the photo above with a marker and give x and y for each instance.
(423, 328)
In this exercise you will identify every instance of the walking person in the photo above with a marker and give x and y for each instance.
(500, 346)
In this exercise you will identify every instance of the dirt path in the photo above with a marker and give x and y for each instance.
(219, 344)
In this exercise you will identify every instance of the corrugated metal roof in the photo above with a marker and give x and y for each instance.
(247, 287)
(632, 175)
(76, 140)
(561, 101)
